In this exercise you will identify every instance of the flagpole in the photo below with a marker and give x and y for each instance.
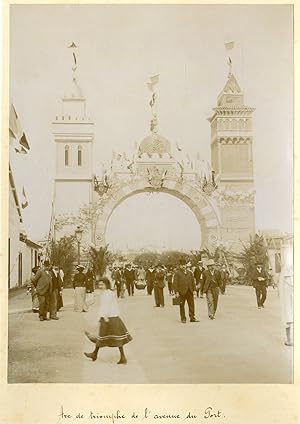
(229, 46)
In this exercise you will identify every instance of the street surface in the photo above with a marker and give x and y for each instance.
(243, 344)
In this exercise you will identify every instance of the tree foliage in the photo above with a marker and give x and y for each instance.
(63, 254)
(255, 252)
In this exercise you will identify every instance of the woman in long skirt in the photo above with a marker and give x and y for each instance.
(112, 331)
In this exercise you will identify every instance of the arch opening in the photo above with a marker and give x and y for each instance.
(153, 221)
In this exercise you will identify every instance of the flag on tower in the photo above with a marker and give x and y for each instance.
(229, 46)
(24, 199)
(154, 79)
(72, 46)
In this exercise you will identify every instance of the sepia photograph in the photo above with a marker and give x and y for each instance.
(150, 234)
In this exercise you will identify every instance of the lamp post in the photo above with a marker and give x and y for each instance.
(78, 235)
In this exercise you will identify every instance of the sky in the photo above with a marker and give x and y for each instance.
(119, 48)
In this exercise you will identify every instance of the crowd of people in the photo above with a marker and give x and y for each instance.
(184, 283)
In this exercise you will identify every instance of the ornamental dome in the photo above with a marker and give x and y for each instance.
(154, 143)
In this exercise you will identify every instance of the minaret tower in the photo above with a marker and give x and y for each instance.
(232, 160)
(73, 135)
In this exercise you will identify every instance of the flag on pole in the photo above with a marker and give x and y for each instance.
(24, 199)
(229, 46)
(155, 79)
(72, 46)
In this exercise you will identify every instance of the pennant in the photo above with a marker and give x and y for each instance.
(229, 46)
(155, 79)
(24, 199)
(23, 141)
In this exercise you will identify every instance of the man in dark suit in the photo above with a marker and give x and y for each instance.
(129, 275)
(211, 287)
(43, 284)
(150, 277)
(260, 279)
(159, 284)
(198, 275)
(55, 292)
(184, 287)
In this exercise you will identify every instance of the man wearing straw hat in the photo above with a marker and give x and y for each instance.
(211, 287)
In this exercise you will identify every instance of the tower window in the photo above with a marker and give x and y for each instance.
(79, 156)
(67, 158)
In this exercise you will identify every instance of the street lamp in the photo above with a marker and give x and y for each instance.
(78, 235)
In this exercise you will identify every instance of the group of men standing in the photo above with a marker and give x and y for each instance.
(47, 284)
(186, 284)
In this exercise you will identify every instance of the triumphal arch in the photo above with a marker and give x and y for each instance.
(219, 192)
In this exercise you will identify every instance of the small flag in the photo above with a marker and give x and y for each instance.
(24, 199)
(229, 61)
(154, 79)
(229, 46)
(23, 141)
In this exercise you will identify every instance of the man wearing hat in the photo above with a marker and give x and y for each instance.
(129, 275)
(211, 286)
(150, 277)
(259, 282)
(43, 284)
(184, 287)
(159, 284)
(198, 275)
(55, 292)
